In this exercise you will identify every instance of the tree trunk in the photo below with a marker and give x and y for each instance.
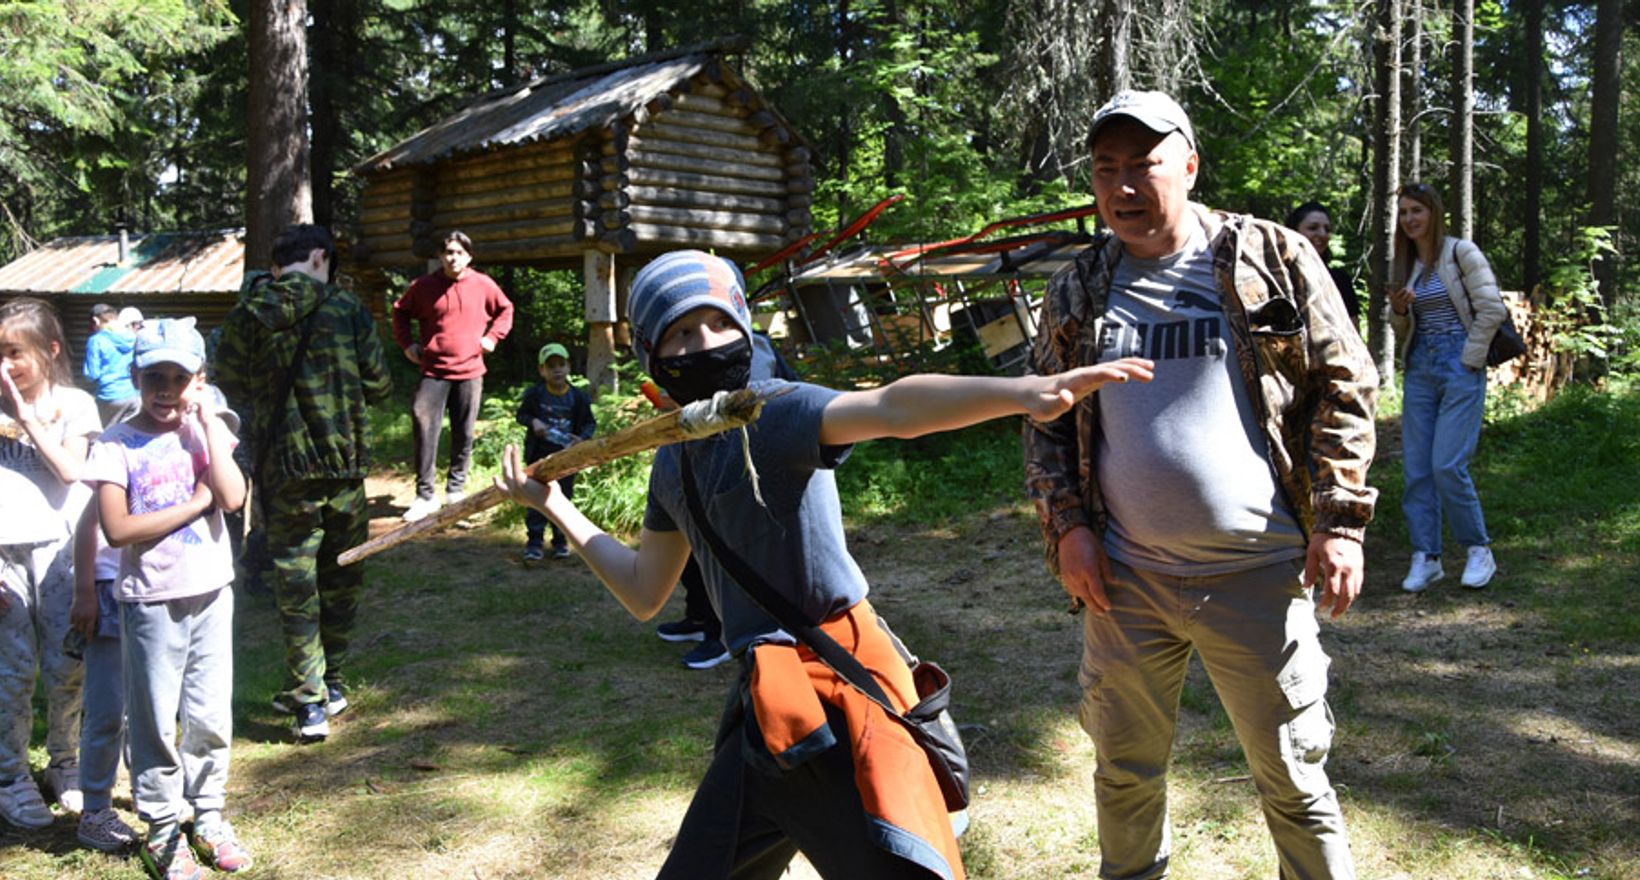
(1463, 118)
(1603, 134)
(898, 125)
(1532, 223)
(509, 42)
(278, 189)
(1115, 47)
(1412, 94)
(1386, 161)
(332, 41)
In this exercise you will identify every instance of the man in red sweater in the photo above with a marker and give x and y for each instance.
(461, 314)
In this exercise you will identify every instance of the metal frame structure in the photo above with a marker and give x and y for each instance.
(898, 304)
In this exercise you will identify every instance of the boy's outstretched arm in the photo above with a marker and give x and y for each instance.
(929, 403)
(641, 580)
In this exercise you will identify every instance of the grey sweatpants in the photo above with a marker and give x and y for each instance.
(39, 585)
(1257, 636)
(178, 658)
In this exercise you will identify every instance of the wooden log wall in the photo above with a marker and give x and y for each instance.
(705, 166)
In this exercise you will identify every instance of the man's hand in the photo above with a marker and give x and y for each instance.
(486, 343)
(413, 353)
(1058, 393)
(1084, 569)
(1336, 562)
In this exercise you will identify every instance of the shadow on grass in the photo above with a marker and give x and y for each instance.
(490, 694)
(1511, 712)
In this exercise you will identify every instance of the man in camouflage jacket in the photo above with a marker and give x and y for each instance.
(1195, 512)
(313, 449)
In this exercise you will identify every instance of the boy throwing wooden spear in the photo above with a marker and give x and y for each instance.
(804, 760)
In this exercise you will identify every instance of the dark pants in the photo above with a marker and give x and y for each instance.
(309, 523)
(427, 421)
(696, 605)
(536, 522)
(747, 820)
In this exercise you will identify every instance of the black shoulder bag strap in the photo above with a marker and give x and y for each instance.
(929, 722)
(285, 387)
(775, 605)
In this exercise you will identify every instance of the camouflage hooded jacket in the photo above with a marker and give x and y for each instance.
(323, 429)
(1307, 371)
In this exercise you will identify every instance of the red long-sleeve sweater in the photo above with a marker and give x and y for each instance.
(452, 316)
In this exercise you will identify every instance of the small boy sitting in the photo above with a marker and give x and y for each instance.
(558, 416)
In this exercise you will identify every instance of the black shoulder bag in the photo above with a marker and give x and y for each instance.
(929, 722)
(1506, 342)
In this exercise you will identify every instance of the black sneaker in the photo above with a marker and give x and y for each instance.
(706, 655)
(311, 724)
(335, 700)
(532, 553)
(560, 552)
(684, 630)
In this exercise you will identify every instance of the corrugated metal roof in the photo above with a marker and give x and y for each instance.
(547, 109)
(160, 262)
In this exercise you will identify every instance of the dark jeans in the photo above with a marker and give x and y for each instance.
(536, 522)
(427, 421)
(696, 605)
(746, 822)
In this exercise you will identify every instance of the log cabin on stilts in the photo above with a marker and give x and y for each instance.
(598, 169)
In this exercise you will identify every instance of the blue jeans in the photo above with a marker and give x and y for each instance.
(1442, 405)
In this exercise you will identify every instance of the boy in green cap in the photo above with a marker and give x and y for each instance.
(558, 415)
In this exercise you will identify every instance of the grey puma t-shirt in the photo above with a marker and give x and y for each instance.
(1183, 466)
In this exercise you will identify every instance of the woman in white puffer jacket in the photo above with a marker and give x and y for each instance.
(1445, 307)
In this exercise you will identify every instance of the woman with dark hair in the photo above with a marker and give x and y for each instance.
(1444, 307)
(1314, 222)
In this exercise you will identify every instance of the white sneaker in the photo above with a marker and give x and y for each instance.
(1478, 571)
(64, 785)
(103, 830)
(1425, 570)
(454, 497)
(21, 805)
(420, 509)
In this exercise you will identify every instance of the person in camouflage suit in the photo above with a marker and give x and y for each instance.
(313, 450)
(1197, 512)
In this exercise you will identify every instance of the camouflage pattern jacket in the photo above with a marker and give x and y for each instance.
(323, 430)
(1306, 368)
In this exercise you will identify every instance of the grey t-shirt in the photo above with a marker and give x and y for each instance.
(794, 538)
(1183, 467)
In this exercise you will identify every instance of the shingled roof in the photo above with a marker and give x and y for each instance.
(551, 108)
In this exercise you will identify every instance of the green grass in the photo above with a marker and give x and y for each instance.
(513, 721)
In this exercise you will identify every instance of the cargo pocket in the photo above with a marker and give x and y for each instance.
(1307, 736)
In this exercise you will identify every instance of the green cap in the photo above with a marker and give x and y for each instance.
(551, 349)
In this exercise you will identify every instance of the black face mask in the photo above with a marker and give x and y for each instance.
(697, 376)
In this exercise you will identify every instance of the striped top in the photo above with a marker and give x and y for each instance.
(1432, 309)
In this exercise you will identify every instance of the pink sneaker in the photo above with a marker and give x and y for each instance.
(216, 845)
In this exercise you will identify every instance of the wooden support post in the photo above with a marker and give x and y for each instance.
(599, 271)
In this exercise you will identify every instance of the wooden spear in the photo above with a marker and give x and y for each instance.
(702, 419)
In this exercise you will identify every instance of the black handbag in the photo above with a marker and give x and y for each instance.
(1506, 342)
(929, 722)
